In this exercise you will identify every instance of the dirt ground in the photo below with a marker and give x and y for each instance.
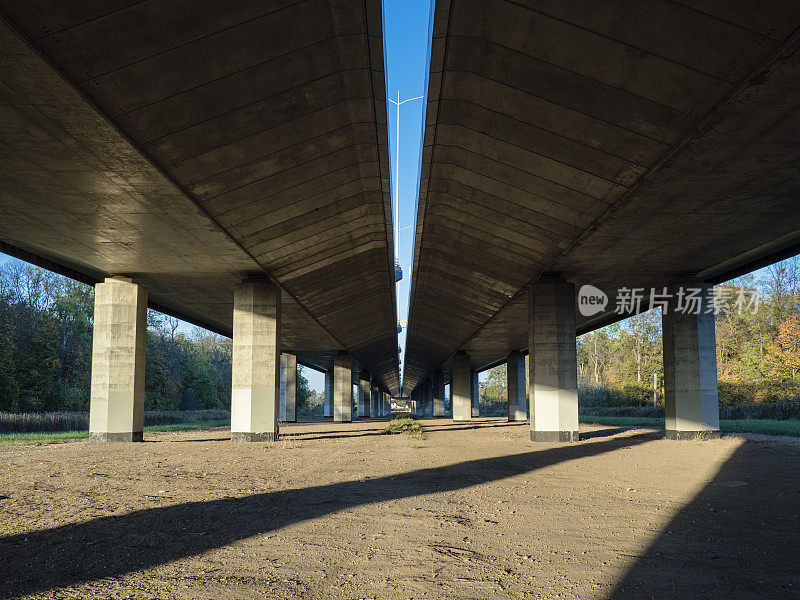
(340, 511)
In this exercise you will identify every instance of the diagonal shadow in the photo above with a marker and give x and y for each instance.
(112, 546)
(736, 539)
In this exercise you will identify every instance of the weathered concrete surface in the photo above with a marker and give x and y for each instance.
(364, 395)
(116, 411)
(288, 413)
(192, 144)
(475, 394)
(256, 367)
(616, 143)
(553, 362)
(691, 400)
(438, 394)
(462, 388)
(342, 388)
(327, 405)
(517, 390)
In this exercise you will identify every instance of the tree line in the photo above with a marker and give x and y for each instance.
(758, 352)
(46, 325)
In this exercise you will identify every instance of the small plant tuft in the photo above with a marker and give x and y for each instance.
(403, 423)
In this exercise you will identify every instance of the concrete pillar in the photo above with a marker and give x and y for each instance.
(462, 388)
(375, 408)
(553, 362)
(255, 398)
(429, 397)
(691, 400)
(342, 388)
(438, 394)
(327, 401)
(363, 395)
(288, 412)
(116, 409)
(517, 401)
(475, 394)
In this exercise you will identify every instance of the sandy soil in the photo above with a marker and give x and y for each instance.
(339, 511)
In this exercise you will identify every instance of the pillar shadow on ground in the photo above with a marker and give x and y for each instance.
(736, 539)
(41, 561)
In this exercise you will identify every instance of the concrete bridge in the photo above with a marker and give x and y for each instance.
(616, 144)
(224, 162)
(227, 163)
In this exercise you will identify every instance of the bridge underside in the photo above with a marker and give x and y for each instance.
(192, 144)
(611, 143)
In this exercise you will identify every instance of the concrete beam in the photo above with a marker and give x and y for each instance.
(342, 388)
(288, 411)
(553, 362)
(116, 410)
(691, 398)
(462, 388)
(517, 396)
(255, 398)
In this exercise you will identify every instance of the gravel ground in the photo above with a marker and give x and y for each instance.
(340, 511)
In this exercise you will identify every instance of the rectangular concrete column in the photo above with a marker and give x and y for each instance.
(691, 399)
(327, 401)
(553, 362)
(255, 398)
(517, 401)
(116, 409)
(342, 388)
(374, 402)
(438, 394)
(461, 388)
(475, 393)
(363, 396)
(288, 413)
(429, 398)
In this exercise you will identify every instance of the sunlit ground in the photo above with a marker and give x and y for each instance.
(340, 511)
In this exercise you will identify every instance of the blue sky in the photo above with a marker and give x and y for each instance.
(406, 39)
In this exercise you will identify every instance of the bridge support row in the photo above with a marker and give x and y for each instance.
(264, 380)
(690, 370)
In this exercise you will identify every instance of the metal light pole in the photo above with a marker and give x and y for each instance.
(397, 103)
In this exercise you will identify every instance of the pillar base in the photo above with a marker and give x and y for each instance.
(554, 436)
(707, 434)
(247, 436)
(518, 416)
(103, 438)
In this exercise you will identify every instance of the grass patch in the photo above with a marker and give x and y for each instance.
(403, 423)
(768, 426)
(41, 437)
(52, 437)
(765, 426)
